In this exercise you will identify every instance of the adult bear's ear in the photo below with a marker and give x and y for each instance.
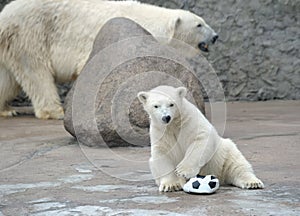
(181, 91)
(172, 27)
(143, 96)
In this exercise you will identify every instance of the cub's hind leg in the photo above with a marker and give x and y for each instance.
(238, 170)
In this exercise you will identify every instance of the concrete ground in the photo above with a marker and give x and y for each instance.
(43, 171)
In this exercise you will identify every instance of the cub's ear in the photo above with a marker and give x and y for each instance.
(181, 91)
(143, 96)
(172, 27)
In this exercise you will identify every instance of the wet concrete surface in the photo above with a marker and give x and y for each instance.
(44, 171)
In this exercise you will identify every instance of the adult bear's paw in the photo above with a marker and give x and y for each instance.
(8, 113)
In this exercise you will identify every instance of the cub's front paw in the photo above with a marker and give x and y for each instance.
(186, 170)
(170, 184)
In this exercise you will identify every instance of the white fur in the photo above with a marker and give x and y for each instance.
(189, 145)
(43, 41)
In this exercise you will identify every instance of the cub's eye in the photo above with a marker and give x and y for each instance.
(155, 106)
(171, 105)
(199, 25)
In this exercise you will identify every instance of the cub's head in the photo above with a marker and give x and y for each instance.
(163, 103)
(191, 29)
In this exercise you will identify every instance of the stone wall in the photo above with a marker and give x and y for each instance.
(257, 55)
(3, 3)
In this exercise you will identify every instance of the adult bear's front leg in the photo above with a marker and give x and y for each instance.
(9, 89)
(38, 83)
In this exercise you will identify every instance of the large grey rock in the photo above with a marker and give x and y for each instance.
(102, 108)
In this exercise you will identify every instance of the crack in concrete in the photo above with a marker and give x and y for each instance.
(33, 139)
(17, 188)
(93, 210)
(40, 152)
(251, 137)
(263, 202)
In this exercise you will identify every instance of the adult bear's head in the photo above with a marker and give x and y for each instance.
(191, 29)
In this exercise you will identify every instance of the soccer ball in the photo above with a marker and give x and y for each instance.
(202, 185)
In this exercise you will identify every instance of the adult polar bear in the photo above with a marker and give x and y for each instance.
(42, 41)
(184, 144)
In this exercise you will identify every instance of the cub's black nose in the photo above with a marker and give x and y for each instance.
(166, 119)
(215, 38)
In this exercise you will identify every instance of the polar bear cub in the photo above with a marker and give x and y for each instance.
(184, 144)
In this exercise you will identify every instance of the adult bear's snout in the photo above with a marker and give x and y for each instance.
(166, 119)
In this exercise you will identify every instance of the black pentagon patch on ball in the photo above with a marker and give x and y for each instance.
(196, 184)
(212, 184)
(212, 177)
(200, 176)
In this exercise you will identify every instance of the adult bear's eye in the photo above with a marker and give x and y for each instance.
(156, 106)
(199, 25)
(171, 105)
